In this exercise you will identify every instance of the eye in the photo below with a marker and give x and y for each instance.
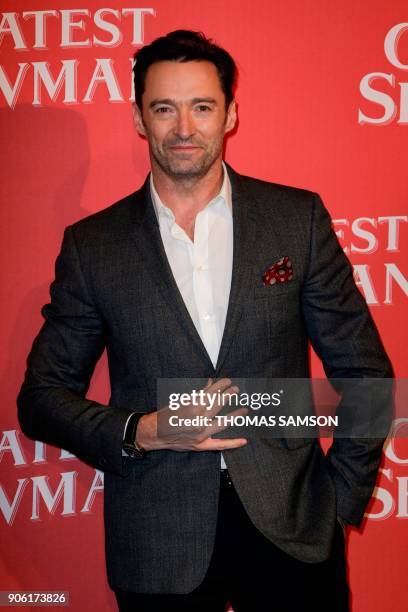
(202, 108)
(162, 110)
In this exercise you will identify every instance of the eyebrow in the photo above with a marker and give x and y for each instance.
(172, 102)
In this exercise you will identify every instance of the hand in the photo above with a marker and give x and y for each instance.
(190, 438)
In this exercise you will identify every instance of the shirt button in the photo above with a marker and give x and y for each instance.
(208, 317)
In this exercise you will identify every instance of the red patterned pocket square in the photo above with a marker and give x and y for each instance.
(280, 272)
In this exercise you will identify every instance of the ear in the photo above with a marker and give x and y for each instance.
(231, 117)
(138, 119)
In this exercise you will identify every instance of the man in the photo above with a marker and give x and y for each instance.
(178, 281)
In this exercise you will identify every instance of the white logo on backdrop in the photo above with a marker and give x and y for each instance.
(365, 236)
(372, 85)
(47, 494)
(34, 31)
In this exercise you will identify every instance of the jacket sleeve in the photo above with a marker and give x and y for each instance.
(52, 406)
(344, 336)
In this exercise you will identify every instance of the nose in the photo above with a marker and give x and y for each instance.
(185, 124)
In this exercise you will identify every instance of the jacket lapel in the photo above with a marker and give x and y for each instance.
(151, 249)
(245, 231)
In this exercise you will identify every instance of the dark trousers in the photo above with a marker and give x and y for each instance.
(254, 575)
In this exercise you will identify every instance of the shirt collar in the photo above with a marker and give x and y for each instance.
(223, 198)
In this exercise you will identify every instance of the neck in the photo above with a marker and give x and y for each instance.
(187, 196)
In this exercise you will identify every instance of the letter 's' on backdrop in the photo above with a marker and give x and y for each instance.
(323, 104)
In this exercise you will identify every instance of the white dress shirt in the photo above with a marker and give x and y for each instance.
(202, 267)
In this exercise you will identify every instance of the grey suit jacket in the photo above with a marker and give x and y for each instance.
(114, 288)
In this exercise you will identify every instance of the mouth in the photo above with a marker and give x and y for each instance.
(184, 148)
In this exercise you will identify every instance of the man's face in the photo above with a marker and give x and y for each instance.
(184, 117)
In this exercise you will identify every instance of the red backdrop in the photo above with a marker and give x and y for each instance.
(323, 104)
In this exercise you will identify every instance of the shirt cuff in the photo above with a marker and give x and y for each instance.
(124, 453)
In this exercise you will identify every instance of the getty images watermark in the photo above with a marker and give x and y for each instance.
(289, 408)
(252, 401)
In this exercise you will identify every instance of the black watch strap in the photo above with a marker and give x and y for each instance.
(129, 440)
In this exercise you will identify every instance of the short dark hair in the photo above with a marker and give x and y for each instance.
(184, 46)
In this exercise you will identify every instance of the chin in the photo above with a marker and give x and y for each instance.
(188, 169)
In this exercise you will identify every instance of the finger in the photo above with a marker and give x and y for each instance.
(225, 399)
(212, 444)
(218, 425)
(220, 385)
(212, 388)
(208, 383)
(215, 396)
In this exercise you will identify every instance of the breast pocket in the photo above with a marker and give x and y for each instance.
(273, 291)
(279, 309)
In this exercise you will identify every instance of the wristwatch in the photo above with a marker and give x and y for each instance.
(129, 441)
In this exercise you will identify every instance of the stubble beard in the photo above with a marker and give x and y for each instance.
(181, 169)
